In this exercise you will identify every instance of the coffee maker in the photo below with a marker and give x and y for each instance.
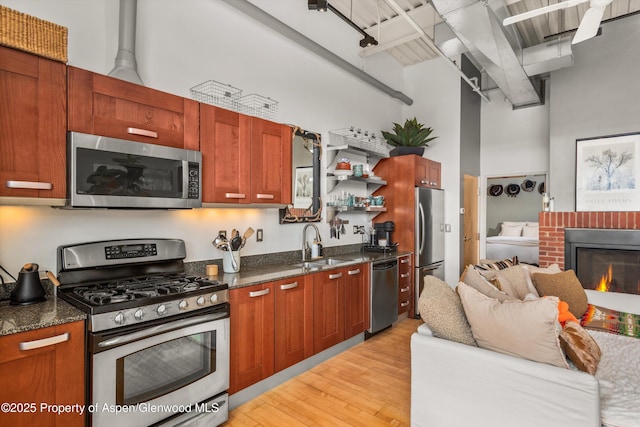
(382, 235)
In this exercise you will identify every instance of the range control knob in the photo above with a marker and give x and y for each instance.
(161, 309)
(139, 314)
(214, 298)
(119, 319)
(183, 305)
(200, 301)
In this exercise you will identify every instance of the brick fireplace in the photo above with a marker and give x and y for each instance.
(552, 225)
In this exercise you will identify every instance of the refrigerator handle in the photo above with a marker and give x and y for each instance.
(423, 234)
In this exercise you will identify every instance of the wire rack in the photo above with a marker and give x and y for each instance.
(259, 106)
(229, 97)
(364, 140)
(216, 93)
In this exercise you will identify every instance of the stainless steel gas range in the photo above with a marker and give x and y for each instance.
(158, 340)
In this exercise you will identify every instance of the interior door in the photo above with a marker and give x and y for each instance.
(471, 234)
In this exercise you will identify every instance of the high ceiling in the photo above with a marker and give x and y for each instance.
(397, 36)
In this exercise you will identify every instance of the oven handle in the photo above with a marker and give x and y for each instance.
(123, 339)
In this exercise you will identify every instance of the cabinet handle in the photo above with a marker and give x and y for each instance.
(434, 183)
(405, 275)
(404, 261)
(235, 195)
(45, 342)
(254, 294)
(265, 196)
(405, 289)
(142, 132)
(289, 286)
(31, 185)
(404, 304)
(353, 272)
(335, 276)
(424, 181)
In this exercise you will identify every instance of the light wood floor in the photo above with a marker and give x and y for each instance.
(367, 385)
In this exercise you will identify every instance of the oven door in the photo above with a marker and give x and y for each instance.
(147, 375)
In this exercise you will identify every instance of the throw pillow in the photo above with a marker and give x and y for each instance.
(441, 309)
(530, 269)
(516, 277)
(527, 329)
(580, 347)
(484, 284)
(497, 265)
(566, 286)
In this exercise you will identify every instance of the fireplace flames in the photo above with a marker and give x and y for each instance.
(605, 280)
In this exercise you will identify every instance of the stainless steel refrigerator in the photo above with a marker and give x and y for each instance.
(429, 238)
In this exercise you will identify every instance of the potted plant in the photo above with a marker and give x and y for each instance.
(411, 138)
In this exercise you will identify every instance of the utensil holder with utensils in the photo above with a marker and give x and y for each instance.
(231, 261)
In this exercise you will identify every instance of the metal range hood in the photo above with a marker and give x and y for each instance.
(478, 26)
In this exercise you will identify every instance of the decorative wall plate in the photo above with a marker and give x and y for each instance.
(528, 185)
(495, 190)
(512, 190)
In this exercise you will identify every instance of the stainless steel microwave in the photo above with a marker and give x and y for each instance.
(107, 172)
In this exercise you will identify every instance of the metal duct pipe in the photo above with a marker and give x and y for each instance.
(263, 17)
(423, 35)
(126, 67)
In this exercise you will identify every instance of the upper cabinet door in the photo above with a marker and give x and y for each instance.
(103, 105)
(270, 162)
(33, 107)
(225, 142)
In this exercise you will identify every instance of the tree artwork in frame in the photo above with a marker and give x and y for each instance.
(303, 187)
(607, 171)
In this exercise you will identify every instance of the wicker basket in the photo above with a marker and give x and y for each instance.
(33, 35)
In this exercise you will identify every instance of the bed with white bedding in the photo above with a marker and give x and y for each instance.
(515, 239)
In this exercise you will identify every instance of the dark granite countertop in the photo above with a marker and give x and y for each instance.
(254, 275)
(53, 311)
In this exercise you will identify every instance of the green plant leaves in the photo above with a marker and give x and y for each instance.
(412, 134)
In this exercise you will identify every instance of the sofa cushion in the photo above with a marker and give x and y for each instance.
(566, 286)
(441, 310)
(527, 329)
(486, 283)
(511, 230)
(580, 347)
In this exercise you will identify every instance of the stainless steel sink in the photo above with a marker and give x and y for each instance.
(320, 263)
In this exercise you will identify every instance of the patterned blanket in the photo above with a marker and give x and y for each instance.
(612, 321)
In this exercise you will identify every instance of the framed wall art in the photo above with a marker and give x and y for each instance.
(303, 187)
(607, 173)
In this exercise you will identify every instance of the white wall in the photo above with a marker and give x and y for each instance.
(181, 44)
(598, 96)
(436, 92)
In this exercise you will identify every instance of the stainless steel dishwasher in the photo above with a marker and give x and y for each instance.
(383, 294)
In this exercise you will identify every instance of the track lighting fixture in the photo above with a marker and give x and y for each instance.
(319, 5)
(368, 41)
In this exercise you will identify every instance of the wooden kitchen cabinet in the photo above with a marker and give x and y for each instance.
(340, 305)
(33, 108)
(252, 335)
(103, 105)
(271, 329)
(405, 284)
(244, 159)
(293, 321)
(43, 366)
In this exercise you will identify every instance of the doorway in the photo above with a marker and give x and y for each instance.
(471, 239)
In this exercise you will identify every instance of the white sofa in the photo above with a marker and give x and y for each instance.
(455, 384)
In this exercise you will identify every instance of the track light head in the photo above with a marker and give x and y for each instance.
(319, 5)
(368, 41)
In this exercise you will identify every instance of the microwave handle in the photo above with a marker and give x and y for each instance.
(185, 179)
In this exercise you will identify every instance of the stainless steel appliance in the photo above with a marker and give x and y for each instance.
(383, 294)
(115, 173)
(158, 340)
(429, 237)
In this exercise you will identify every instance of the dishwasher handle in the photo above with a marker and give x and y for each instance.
(385, 265)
